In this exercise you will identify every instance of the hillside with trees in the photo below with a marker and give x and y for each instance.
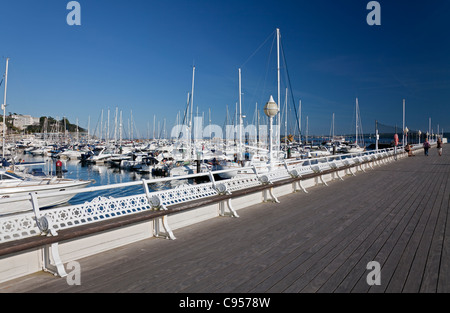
(51, 125)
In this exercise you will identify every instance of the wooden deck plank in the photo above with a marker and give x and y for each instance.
(322, 237)
(360, 257)
(411, 253)
(263, 245)
(391, 247)
(395, 211)
(346, 261)
(315, 242)
(424, 263)
(277, 259)
(253, 266)
(444, 266)
(411, 239)
(270, 261)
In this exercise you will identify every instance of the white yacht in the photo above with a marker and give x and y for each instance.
(72, 154)
(13, 185)
(100, 158)
(316, 151)
(352, 148)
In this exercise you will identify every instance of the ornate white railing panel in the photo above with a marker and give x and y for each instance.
(98, 209)
(238, 183)
(18, 227)
(185, 193)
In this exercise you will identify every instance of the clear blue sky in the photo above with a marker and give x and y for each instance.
(138, 55)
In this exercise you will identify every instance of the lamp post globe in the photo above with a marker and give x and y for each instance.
(271, 110)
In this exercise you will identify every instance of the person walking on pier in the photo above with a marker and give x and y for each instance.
(439, 146)
(426, 146)
(408, 149)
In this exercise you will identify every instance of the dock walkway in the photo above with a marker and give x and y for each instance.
(322, 241)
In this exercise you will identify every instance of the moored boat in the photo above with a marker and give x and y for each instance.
(13, 185)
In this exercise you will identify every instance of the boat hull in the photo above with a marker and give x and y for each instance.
(19, 205)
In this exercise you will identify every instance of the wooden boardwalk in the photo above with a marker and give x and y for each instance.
(395, 214)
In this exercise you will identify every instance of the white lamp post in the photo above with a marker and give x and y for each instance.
(419, 133)
(406, 136)
(271, 110)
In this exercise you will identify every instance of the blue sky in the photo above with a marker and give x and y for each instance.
(138, 56)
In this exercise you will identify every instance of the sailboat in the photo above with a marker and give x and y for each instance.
(355, 147)
(185, 150)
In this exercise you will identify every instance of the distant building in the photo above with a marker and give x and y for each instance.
(22, 121)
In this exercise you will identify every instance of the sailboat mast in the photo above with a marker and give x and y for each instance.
(120, 129)
(192, 110)
(256, 117)
(403, 130)
(332, 133)
(4, 108)
(210, 137)
(285, 117)
(116, 125)
(300, 121)
(107, 132)
(279, 94)
(356, 124)
(101, 127)
(306, 141)
(240, 115)
(131, 125)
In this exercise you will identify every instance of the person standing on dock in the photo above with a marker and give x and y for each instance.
(439, 146)
(426, 146)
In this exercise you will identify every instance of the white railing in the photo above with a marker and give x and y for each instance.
(50, 221)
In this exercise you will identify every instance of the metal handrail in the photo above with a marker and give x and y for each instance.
(118, 185)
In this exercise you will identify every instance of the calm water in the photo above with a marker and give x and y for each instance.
(100, 175)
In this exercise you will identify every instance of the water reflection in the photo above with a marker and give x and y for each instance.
(100, 175)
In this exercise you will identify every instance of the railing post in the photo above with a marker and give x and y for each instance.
(56, 267)
(147, 192)
(49, 252)
(265, 180)
(255, 171)
(43, 222)
(223, 190)
(295, 174)
(211, 178)
(156, 204)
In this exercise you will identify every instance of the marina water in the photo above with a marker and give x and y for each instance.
(100, 175)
